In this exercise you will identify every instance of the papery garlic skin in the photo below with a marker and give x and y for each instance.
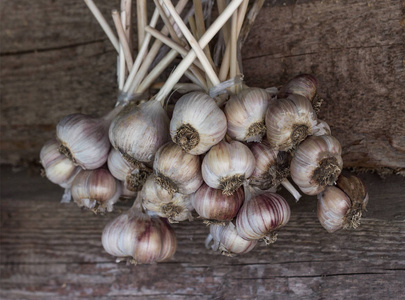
(139, 131)
(227, 240)
(197, 123)
(322, 128)
(227, 165)
(96, 189)
(304, 85)
(316, 164)
(260, 216)
(213, 205)
(245, 113)
(58, 168)
(289, 121)
(176, 170)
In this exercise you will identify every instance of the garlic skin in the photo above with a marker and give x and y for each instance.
(96, 189)
(125, 193)
(139, 131)
(134, 173)
(176, 170)
(260, 216)
(322, 128)
(245, 113)
(316, 164)
(304, 85)
(227, 240)
(289, 121)
(197, 123)
(58, 168)
(213, 205)
(227, 165)
(155, 198)
(342, 206)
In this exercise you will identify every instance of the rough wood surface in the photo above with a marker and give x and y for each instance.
(56, 60)
(53, 251)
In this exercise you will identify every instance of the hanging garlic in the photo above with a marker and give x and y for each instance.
(84, 139)
(58, 168)
(227, 165)
(133, 173)
(289, 121)
(304, 85)
(261, 215)
(245, 113)
(321, 128)
(316, 164)
(216, 207)
(96, 189)
(139, 238)
(342, 206)
(197, 123)
(155, 198)
(176, 170)
(138, 131)
(227, 240)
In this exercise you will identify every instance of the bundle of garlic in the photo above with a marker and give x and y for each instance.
(224, 152)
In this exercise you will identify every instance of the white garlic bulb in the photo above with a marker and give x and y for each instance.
(133, 173)
(316, 164)
(175, 207)
(96, 189)
(58, 168)
(261, 215)
(342, 206)
(176, 170)
(139, 131)
(216, 207)
(227, 165)
(245, 113)
(84, 139)
(304, 85)
(227, 240)
(197, 123)
(289, 121)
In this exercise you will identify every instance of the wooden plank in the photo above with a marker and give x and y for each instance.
(51, 250)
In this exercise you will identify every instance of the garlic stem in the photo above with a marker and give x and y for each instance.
(234, 38)
(224, 70)
(142, 19)
(121, 68)
(289, 187)
(225, 29)
(167, 22)
(118, 21)
(205, 39)
(103, 23)
(193, 43)
(250, 19)
(126, 6)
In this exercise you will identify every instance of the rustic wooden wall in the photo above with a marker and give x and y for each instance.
(55, 60)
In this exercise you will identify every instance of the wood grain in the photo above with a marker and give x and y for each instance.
(53, 251)
(56, 60)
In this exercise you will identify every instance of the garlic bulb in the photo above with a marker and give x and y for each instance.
(84, 139)
(214, 206)
(138, 131)
(342, 206)
(125, 193)
(139, 238)
(260, 216)
(58, 168)
(156, 199)
(321, 128)
(316, 164)
(304, 85)
(133, 173)
(245, 113)
(176, 170)
(289, 121)
(197, 123)
(227, 165)
(227, 240)
(96, 189)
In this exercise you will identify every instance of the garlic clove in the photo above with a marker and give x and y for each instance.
(245, 113)
(197, 123)
(169, 241)
(304, 85)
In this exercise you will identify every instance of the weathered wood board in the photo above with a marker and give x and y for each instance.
(51, 250)
(56, 60)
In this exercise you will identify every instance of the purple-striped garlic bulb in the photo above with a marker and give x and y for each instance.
(197, 123)
(316, 164)
(304, 85)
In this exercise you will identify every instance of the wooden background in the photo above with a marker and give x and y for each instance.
(55, 60)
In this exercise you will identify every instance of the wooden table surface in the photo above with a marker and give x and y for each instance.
(51, 250)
